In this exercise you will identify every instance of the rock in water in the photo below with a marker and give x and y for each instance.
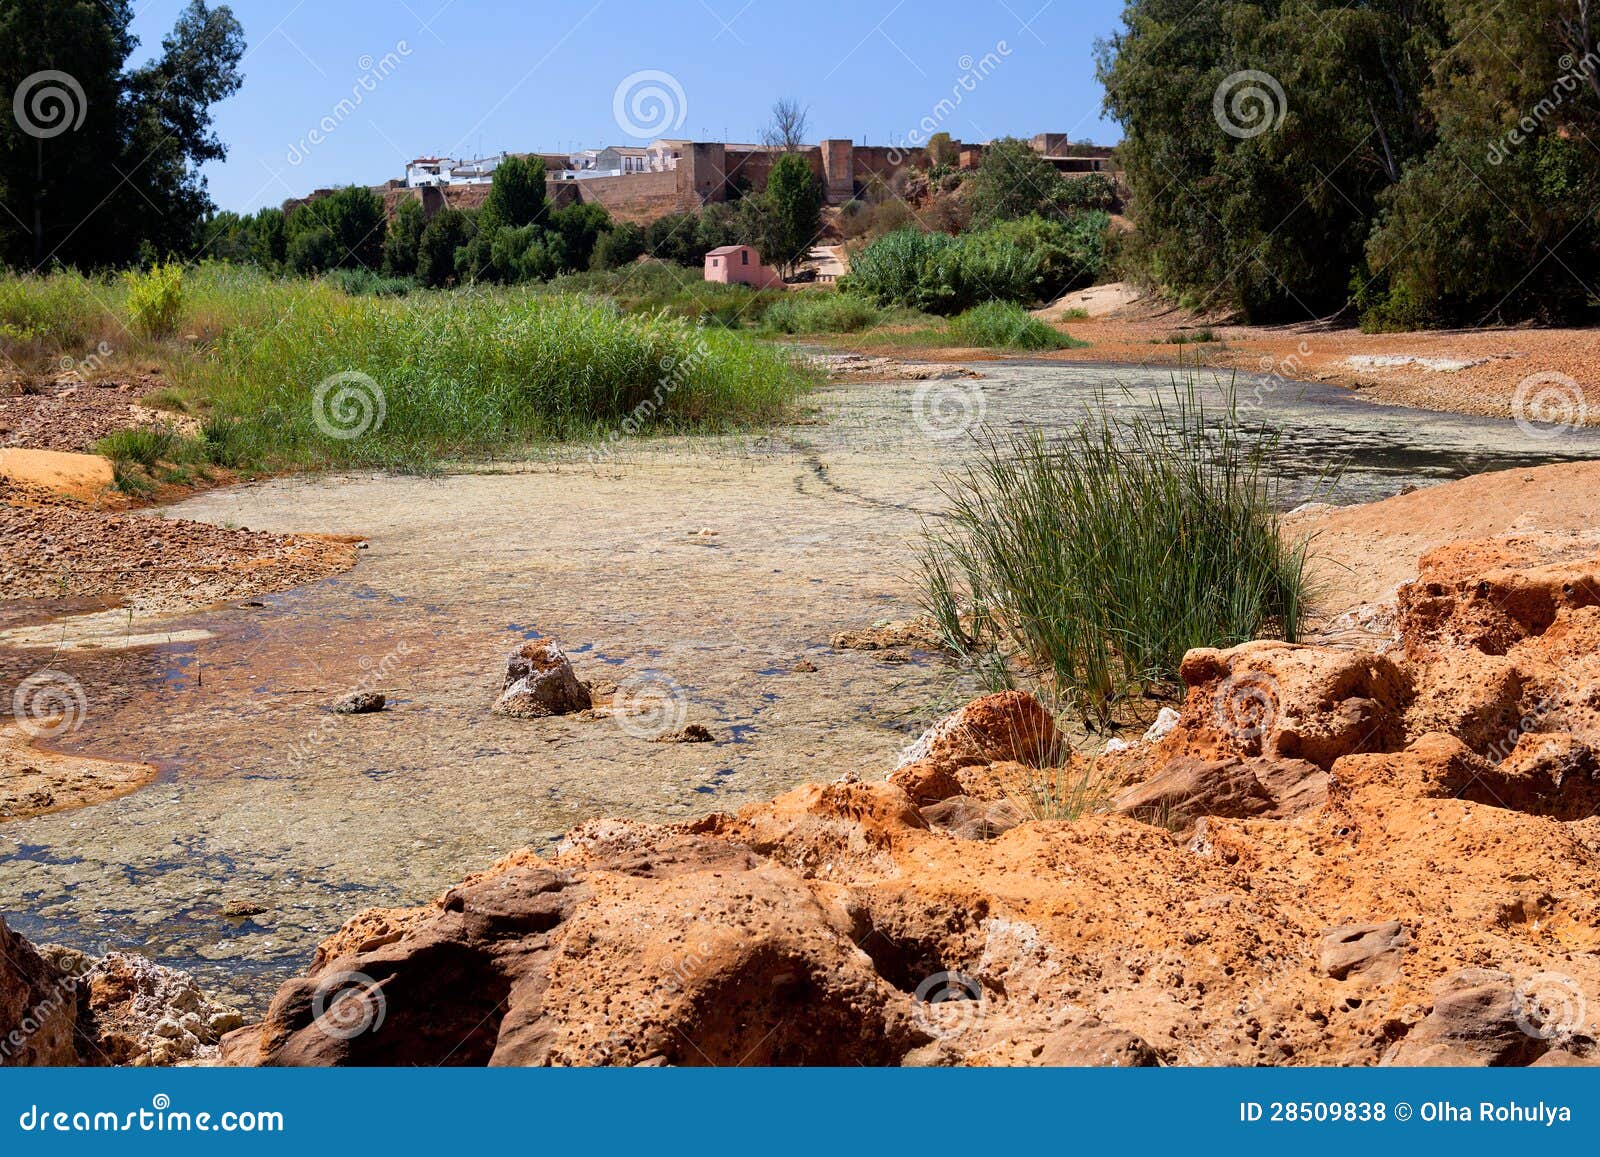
(694, 733)
(360, 703)
(539, 681)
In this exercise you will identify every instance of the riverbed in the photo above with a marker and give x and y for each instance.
(715, 569)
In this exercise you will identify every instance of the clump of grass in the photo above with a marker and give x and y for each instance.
(1202, 336)
(143, 457)
(402, 384)
(821, 311)
(1094, 562)
(45, 317)
(1056, 793)
(1005, 325)
(144, 446)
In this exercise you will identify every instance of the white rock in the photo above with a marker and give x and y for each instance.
(1162, 727)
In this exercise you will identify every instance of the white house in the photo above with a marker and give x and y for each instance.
(450, 171)
(665, 154)
(615, 160)
(428, 171)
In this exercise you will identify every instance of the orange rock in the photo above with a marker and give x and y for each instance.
(1008, 726)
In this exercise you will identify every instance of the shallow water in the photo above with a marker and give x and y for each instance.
(264, 796)
(1332, 445)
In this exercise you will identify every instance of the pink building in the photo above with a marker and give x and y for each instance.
(740, 265)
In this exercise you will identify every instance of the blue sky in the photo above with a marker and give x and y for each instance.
(464, 76)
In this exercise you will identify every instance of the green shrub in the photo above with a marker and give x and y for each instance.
(1026, 260)
(618, 246)
(1066, 252)
(155, 299)
(820, 311)
(1202, 336)
(1003, 325)
(1100, 558)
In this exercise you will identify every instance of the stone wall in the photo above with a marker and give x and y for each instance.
(636, 197)
(709, 171)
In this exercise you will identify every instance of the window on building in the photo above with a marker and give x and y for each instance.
(744, 257)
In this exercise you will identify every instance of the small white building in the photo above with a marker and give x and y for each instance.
(426, 171)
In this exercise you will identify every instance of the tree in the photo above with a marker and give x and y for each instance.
(352, 218)
(271, 238)
(104, 161)
(226, 237)
(674, 238)
(528, 253)
(516, 194)
(793, 211)
(622, 245)
(721, 223)
(257, 239)
(312, 250)
(1259, 137)
(1497, 221)
(1012, 181)
(436, 251)
(942, 151)
(580, 227)
(516, 200)
(787, 131)
(403, 238)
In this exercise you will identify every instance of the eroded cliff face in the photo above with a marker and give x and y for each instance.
(1334, 857)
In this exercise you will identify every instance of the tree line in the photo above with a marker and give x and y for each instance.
(1421, 162)
(515, 236)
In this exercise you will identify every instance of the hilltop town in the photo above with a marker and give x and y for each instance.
(643, 183)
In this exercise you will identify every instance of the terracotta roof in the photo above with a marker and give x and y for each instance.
(724, 249)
